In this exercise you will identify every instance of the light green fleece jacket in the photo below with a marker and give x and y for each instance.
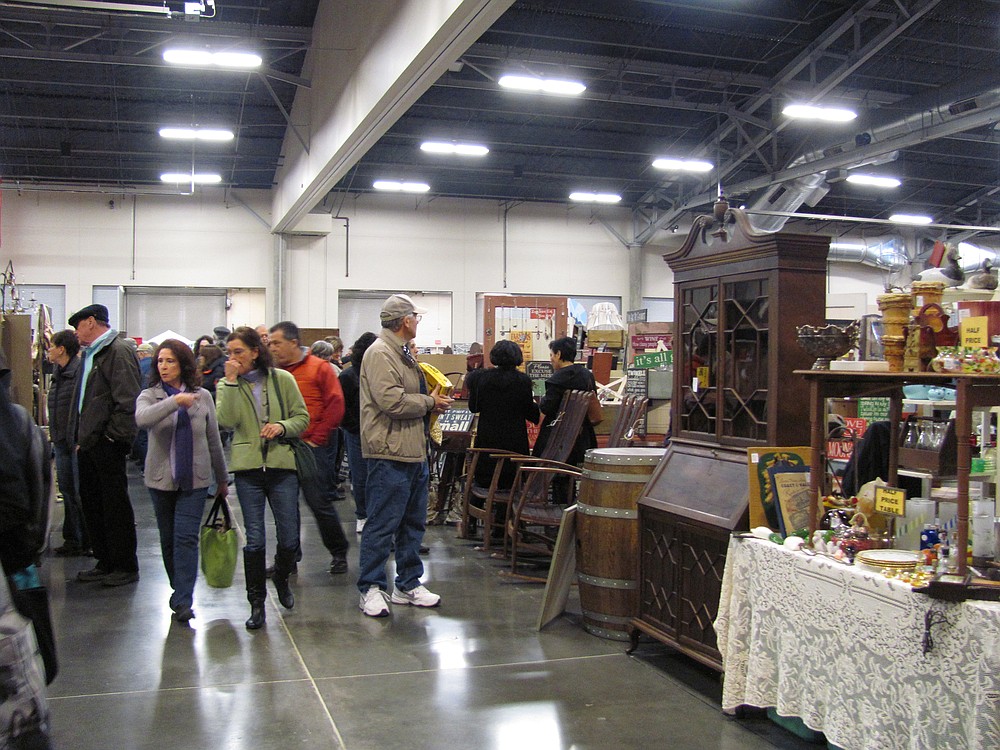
(236, 409)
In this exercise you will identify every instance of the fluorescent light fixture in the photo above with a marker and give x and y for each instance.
(826, 114)
(459, 149)
(683, 165)
(196, 134)
(542, 85)
(910, 219)
(205, 58)
(595, 197)
(873, 180)
(401, 187)
(197, 178)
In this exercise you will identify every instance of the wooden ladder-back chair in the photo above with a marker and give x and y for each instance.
(623, 428)
(495, 501)
(534, 521)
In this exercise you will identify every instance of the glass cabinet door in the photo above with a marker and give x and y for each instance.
(744, 386)
(698, 360)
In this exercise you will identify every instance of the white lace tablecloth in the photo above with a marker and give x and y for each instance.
(840, 648)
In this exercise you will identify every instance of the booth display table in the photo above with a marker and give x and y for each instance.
(843, 649)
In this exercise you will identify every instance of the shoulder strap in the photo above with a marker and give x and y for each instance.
(277, 392)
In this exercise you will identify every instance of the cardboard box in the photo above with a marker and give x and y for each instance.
(611, 339)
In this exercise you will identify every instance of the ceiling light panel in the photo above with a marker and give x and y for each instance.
(873, 180)
(197, 178)
(401, 187)
(536, 84)
(196, 134)
(824, 114)
(683, 165)
(911, 219)
(583, 197)
(458, 149)
(206, 58)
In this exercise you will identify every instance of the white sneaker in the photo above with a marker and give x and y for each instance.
(418, 597)
(374, 602)
(361, 524)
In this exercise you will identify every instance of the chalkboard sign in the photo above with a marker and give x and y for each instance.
(455, 420)
(636, 316)
(636, 381)
(539, 370)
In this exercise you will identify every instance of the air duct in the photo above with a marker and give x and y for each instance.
(950, 102)
(888, 255)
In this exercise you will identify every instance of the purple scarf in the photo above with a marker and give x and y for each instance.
(183, 446)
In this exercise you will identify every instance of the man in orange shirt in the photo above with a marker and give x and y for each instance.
(325, 401)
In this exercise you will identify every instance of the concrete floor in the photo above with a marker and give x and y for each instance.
(474, 673)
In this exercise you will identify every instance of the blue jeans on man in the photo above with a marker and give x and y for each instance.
(178, 518)
(280, 489)
(359, 472)
(74, 528)
(396, 503)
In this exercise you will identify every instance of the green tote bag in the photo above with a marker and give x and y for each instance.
(219, 545)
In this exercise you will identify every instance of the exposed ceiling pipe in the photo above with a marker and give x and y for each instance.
(947, 103)
(887, 255)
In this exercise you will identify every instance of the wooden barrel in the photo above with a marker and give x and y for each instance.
(607, 536)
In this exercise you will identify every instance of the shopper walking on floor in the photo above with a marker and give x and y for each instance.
(63, 353)
(394, 404)
(263, 405)
(184, 456)
(103, 414)
(325, 402)
(350, 428)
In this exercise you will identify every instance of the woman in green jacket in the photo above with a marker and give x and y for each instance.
(263, 406)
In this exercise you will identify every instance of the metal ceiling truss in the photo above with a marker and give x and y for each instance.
(864, 40)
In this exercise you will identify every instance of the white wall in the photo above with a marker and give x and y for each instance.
(77, 240)
(396, 243)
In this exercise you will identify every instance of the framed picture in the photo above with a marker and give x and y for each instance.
(792, 495)
(763, 511)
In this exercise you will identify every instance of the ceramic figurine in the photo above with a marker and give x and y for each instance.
(951, 273)
(984, 279)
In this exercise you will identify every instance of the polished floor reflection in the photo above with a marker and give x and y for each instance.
(473, 674)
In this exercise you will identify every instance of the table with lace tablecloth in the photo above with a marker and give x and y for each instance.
(843, 649)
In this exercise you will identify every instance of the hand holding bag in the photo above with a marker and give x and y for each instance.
(305, 461)
(219, 545)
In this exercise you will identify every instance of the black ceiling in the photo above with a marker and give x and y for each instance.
(82, 95)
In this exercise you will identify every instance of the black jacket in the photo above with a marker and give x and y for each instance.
(502, 398)
(108, 397)
(212, 373)
(350, 384)
(61, 397)
(570, 378)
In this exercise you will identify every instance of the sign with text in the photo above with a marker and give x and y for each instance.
(455, 420)
(636, 316)
(636, 381)
(890, 500)
(975, 332)
(650, 341)
(654, 359)
(873, 409)
(539, 372)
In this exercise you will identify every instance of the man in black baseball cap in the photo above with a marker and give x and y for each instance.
(103, 426)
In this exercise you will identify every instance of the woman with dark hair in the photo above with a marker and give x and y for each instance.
(350, 426)
(200, 342)
(502, 397)
(184, 457)
(567, 376)
(212, 364)
(263, 405)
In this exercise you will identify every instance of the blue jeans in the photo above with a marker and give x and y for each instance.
(67, 475)
(279, 488)
(359, 472)
(397, 511)
(178, 517)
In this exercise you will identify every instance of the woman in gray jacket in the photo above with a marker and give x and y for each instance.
(185, 452)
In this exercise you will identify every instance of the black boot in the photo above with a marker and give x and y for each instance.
(253, 566)
(284, 561)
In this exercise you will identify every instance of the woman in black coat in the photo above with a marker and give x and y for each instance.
(567, 376)
(502, 398)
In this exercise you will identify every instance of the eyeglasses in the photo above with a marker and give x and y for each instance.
(417, 317)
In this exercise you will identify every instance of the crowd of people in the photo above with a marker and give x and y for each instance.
(175, 409)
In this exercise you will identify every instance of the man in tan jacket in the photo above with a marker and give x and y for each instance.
(394, 406)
